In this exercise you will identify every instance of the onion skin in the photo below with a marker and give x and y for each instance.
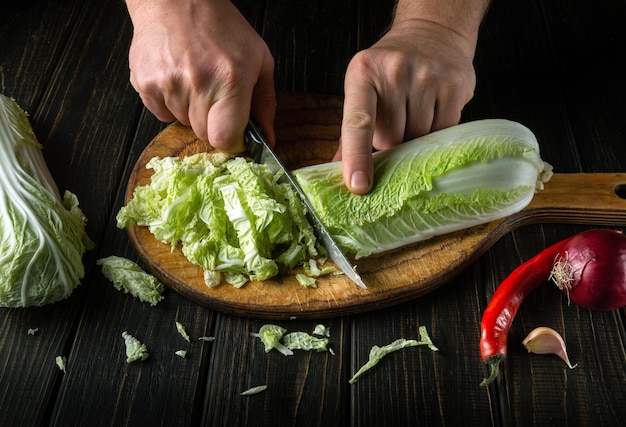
(591, 270)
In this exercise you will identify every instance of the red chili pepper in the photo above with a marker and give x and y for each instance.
(505, 302)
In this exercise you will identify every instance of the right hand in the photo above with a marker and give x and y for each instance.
(200, 62)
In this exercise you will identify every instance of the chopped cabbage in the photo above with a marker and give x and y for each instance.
(230, 216)
(321, 330)
(253, 390)
(448, 180)
(377, 353)
(304, 341)
(61, 362)
(306, 281)
(182, 331)
(135, 349)
(270, 335)
(275, 337)
(42, 237)
(129, 277)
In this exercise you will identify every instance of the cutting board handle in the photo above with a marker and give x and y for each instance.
(577, 198)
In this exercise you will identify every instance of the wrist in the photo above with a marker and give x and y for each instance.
(460, 17)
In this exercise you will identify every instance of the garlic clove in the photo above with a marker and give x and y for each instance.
(544, 340)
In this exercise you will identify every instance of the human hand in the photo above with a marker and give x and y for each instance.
(416, 79)
(201, 63)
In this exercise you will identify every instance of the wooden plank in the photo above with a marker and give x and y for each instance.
(542, 384)
(165, 389)
(91, 111)
(304, 389)
(307, 388)
(312, 42)
(536, 385)
(28, 373)
(416, 385)
(555, 74)
(515, 80)
(31, 51)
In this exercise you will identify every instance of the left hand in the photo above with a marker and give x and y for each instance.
(416, 79)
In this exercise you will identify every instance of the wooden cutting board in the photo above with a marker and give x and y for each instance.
(307, 130)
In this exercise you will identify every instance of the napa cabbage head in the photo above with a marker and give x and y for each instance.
(443, 182)
(42, 236)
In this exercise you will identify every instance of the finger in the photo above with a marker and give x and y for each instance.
(448, 110)
(446, 115)
(157, 107)
(420, 113)
(151, 99)
(263, 107)
(179, 108)
(357, 131)
(391, 120)
(392, 89)
(226, 122)
(337, 156)
(178, 104)
(198, 116)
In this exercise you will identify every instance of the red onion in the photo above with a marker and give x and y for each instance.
(591, 269)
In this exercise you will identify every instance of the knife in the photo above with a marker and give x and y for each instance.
(261, 152)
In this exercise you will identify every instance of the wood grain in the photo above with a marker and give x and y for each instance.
(307, 135)
(549, 65)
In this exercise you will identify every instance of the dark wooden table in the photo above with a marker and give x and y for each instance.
(557, 67)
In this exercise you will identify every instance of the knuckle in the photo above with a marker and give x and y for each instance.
(397, 66)
(361, 60)
(230, 75)
(358, 120)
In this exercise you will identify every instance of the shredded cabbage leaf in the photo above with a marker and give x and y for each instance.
(271, 335)
(377, 353)
(253, 390)
(304, 341)
(135, 349)
(306, 281)
(42, 236)
(61, 362)
(448, 180)
(321, 330)
(275, 337)
(129, 277)
(182, 331)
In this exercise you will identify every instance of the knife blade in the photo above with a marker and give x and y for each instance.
(261, 152)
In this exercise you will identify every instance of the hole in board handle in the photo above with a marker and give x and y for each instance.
(620, 190)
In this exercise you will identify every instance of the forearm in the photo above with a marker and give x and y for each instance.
(460, 16)
(135, 5)
(164, 8)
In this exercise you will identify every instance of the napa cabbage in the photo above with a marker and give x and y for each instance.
(42, 236)
(446, 181)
